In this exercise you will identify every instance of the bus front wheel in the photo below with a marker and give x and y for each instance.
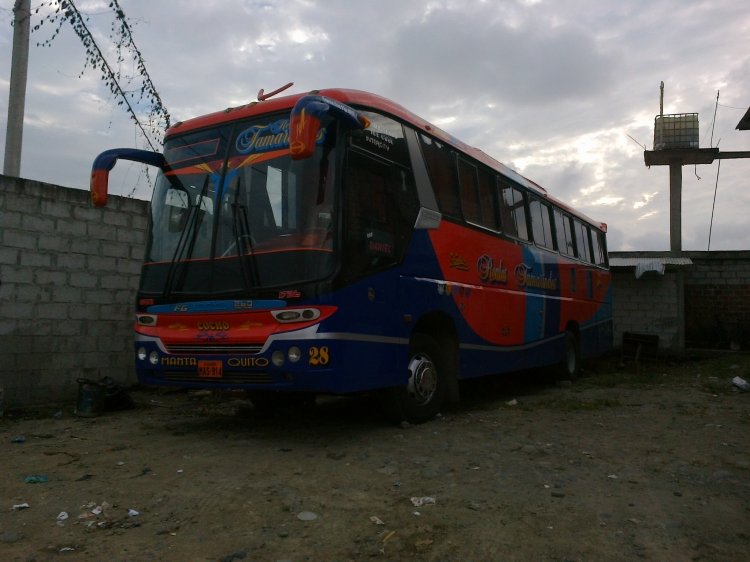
(424, 394)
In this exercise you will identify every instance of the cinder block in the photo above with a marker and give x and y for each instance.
(84, 311)
(9, 256)
(53, 243)
(88, 214)
(32, 294)
(65, 294)
(116, 218)
(86, 246)
(53, 311)
(131, 236)
(11, 219)
(18, 239)
(33, 259)
(99, 263)
(44, 278)
(38, 224)
(70, 227)
(73, 262)
(100, 231)
(115, 249)
(114, 281)
(55, 209)
(16, 274)
(85, 280)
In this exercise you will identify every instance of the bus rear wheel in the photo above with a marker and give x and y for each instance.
(424, 394)
(571, 366)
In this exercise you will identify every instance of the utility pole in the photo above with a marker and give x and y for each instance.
(17, 95)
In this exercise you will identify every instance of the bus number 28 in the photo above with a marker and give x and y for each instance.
(318, 356)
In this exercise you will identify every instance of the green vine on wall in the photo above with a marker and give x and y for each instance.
(65, 11)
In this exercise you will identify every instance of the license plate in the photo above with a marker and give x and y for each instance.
(210, 369)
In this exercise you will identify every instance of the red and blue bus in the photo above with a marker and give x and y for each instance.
(333, 242)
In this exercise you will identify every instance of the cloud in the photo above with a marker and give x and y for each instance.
(553, 89)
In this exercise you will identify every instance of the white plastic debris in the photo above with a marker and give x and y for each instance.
(419, 502)
(741, 383)
(133, 513)
(307, 516)
(20, 506)
(375, 519)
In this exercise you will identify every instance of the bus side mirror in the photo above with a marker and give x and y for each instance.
(107, 160)
(304, 126)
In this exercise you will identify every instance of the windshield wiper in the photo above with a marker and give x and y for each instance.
(242, 236)
(185, 245)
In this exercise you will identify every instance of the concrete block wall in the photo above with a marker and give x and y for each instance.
(649, 305)
(717, 300)
(68, 277)
(705, 304)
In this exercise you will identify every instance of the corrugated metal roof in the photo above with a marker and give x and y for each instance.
(632, 262)
(645, 264)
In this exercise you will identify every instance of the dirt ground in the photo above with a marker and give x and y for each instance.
(621, 465)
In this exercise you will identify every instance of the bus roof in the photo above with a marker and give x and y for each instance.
(366, 100)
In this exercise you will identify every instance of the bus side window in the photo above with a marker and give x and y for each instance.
(440, 166)
(469, 186)
(540, 223)
(513, 211)
(597, 245)
(569, 241)
(583, 245)
(564, 233)
(487, 199)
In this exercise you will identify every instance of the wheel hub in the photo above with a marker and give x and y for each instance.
(422, 383)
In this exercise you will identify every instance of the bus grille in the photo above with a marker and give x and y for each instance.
(230, 377)
(208, 349)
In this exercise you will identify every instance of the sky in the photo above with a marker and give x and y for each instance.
(564, 93)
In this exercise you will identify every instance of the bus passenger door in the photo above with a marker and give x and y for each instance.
(379, 211)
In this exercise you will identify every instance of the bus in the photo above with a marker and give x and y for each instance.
(332, 242)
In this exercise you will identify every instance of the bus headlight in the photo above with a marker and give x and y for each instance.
(295, 314)
(294, 354)
(277, 358)
(141, 354)
(153, 357)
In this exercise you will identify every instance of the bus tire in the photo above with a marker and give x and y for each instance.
(424, 394)
(571, 365)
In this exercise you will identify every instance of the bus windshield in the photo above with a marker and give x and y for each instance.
(233, 214)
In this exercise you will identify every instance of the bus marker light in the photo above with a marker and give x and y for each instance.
(146, 319)
(278, 358)
(153, 357)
